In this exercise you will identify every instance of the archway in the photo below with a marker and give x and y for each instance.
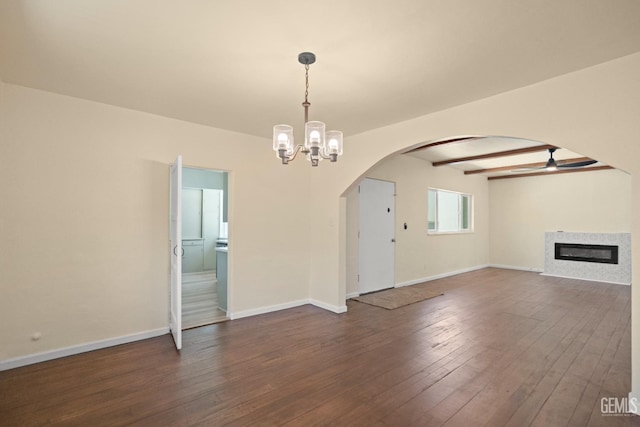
(517, 239)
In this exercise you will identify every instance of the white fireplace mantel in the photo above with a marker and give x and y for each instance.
(611, 273)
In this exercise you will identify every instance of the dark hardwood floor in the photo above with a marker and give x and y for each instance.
(498, 348)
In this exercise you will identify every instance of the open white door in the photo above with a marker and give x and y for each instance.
(175, 238)
(376, 246)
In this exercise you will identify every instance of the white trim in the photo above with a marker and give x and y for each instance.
(446, 233)
(586, 280)
(329, 307)
(440, 276)
(110, 342)
(353, 295)
(77, 349)
(286, 305)
(266, 309)
(514, 267)
(635, 396)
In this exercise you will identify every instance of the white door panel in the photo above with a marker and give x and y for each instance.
(376, 244)
(175, 240)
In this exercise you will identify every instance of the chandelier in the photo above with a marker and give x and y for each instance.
(318, 144)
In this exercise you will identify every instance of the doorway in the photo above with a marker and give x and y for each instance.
(204, 244)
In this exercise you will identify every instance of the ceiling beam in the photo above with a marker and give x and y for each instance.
(444, 142)
(494, 155)
(527, 165)
(523, 175)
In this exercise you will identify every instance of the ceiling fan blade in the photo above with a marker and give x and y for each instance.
(560, 166)
(577, 164)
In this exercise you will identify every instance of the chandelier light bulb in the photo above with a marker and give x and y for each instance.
(333, 147)
(314, 136)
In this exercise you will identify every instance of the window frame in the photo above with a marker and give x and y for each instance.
(470, 212)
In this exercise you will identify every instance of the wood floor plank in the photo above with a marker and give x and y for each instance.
(498, 348)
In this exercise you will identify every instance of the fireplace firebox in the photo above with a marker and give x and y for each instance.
(605, 254)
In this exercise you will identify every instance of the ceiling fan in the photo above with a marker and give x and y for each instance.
(552, 165)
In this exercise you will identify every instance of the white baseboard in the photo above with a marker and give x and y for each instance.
(515, 267)
(328, 307)
(587, 280)
(440, 276)
(286, 305)
(77, 349)
(110, 342)
(353, 295)
(266, 309)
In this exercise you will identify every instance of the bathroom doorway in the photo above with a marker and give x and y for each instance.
(204, 244)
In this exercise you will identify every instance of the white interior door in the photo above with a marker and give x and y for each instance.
(376, 245)
(175, 239)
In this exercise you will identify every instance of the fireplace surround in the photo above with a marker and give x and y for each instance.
(602, 257)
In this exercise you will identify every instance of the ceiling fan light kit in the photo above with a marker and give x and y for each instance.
(551, 163)
(318, 143)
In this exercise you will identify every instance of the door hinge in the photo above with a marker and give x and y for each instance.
(358, 277)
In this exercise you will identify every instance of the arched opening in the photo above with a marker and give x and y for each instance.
(514, 200)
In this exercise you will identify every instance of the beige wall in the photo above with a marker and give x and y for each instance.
(352, 248)
(84, 218)
(523, 209)
(1, 109)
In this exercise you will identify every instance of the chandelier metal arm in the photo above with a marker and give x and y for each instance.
(286, 159)
(331, 157)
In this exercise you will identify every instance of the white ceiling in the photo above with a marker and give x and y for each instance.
(233, 64)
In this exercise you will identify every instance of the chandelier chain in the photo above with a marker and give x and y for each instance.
(306, 78)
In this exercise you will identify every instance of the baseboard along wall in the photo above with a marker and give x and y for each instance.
(96, 345)
(110, 342)
(77, 349)
(284, 306)
(440, 276)
(515, 267)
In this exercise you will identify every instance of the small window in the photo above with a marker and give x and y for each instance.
(449, 212)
